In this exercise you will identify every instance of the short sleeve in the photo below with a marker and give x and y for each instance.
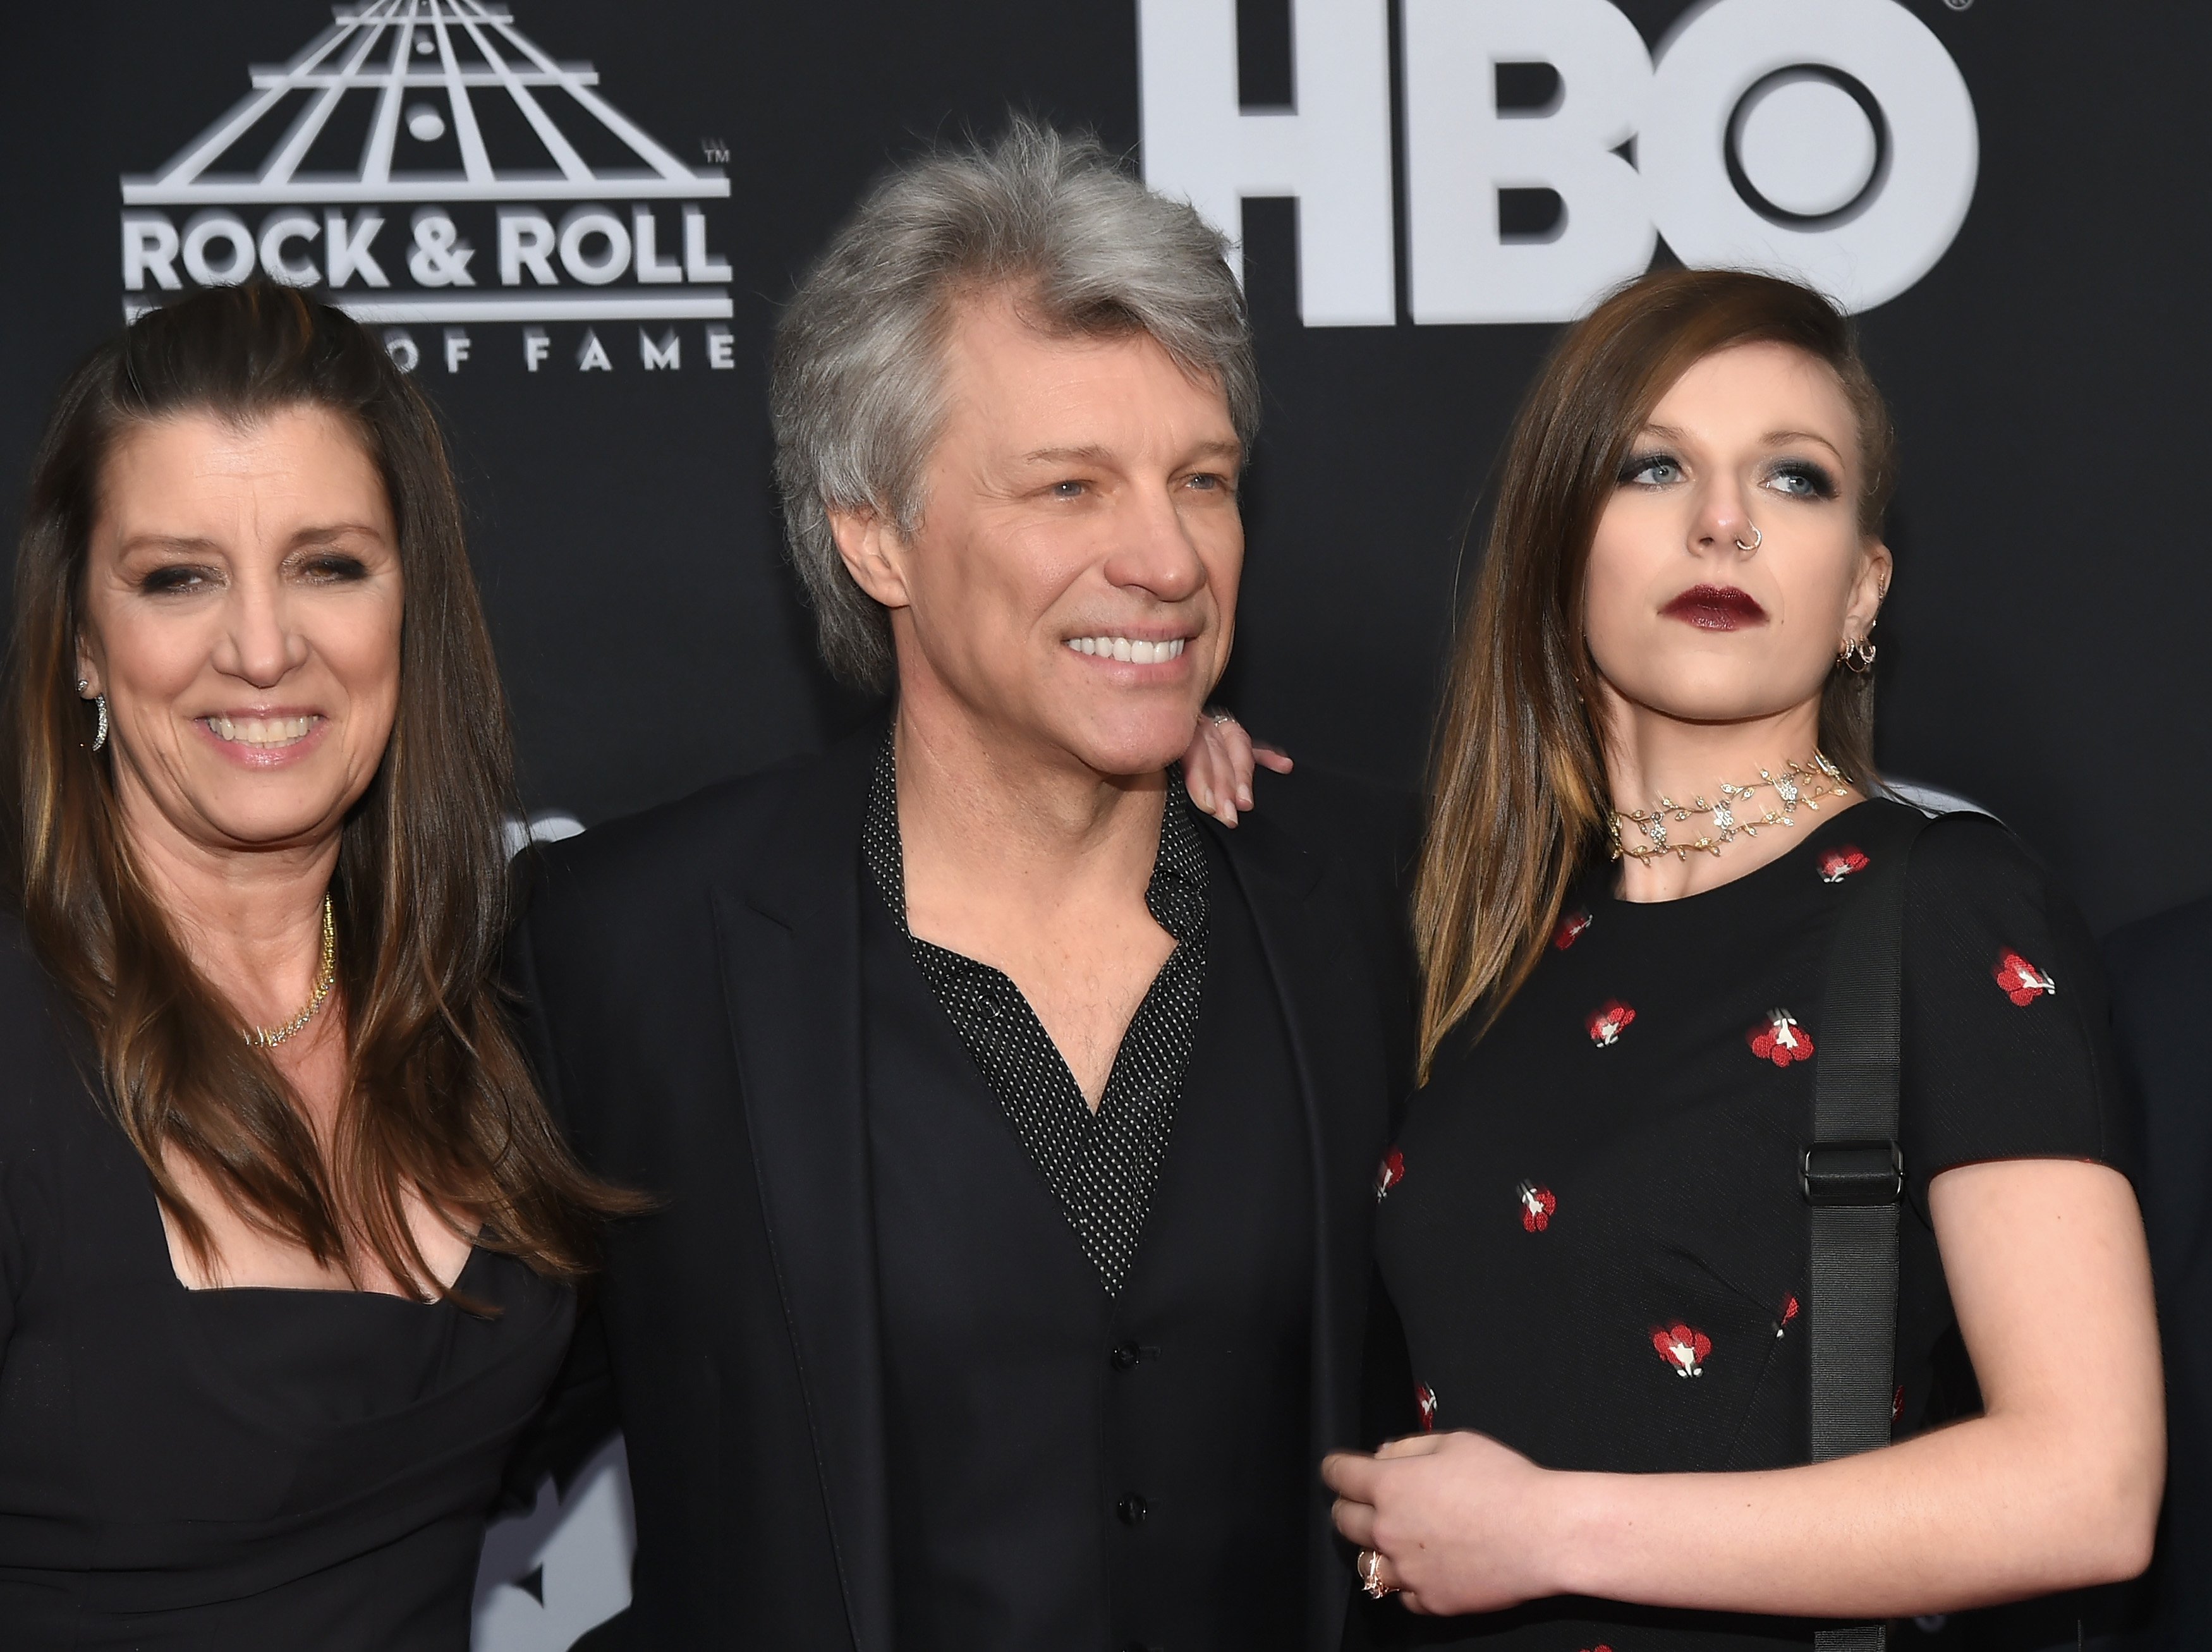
(2007, 1043)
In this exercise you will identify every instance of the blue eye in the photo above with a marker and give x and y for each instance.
(1651, 470)
(1802, 479)
(1068, 490)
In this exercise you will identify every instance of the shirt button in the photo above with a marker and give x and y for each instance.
(1125, 1357)
(1131, 1509)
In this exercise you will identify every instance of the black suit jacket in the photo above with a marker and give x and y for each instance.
(694, 982)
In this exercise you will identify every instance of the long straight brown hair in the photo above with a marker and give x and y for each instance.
(439, 1095)
(1517, 794)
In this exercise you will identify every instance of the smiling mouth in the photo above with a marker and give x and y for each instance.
(262, 734)
(1138, 652)
(1716, 608)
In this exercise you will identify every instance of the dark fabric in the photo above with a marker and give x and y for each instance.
(221, 1469)
(1070, 1468)
(1101, 1164)
(1610, 1175)
(695, 974)
(2162, 980)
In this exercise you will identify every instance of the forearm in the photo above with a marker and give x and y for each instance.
(1991, 1509)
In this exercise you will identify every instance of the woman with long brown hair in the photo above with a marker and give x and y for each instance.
(1644, 1279)
(287, 1240)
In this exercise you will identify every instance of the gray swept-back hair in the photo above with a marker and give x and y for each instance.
(856, 390)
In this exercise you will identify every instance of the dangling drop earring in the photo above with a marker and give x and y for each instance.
(100, 739)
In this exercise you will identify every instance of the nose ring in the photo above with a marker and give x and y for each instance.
(1758, 539)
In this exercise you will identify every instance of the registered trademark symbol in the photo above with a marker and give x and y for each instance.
(1958, 5)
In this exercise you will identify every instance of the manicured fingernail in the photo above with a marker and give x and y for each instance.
(1244, 797)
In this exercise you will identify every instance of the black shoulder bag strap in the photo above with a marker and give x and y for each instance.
(1853, 1174)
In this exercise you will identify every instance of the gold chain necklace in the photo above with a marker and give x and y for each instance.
(263, 1038)
(1796, 784)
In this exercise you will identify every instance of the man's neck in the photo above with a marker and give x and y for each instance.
(989, 821)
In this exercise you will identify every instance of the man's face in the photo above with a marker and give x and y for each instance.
(1071, 585)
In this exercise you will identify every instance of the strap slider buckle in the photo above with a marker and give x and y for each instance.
(1851, 1173)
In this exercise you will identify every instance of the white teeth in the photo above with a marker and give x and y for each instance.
(260, 730)
(1137, 653)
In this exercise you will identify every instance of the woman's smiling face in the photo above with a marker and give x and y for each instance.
(241, 604)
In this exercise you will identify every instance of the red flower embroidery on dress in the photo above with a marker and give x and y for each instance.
(1537, 1204)
(1571, 930)
(1789, 1312)
(1781, 1041)
(2023, 981)
(1606, 1025)
(1683, 1348)
(1388, 1174)
(1425, 1397)
(1838, 864)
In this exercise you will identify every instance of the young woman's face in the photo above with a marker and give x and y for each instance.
(242, 613)
(1728, 567)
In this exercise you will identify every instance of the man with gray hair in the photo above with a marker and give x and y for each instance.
(1015, 1123)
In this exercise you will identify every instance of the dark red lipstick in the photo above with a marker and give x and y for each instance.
(1716, 608)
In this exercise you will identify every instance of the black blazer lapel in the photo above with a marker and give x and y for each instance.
(1338, 1046)
(788, 930)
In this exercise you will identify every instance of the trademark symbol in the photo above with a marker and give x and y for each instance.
(718, 153)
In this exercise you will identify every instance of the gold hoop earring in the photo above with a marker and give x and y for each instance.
(1855, 656)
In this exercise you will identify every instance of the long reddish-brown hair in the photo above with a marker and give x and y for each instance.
(439, 1097)
(1517, 796)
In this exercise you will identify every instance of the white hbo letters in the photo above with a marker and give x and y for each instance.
(1831, 139)
(1333, 152)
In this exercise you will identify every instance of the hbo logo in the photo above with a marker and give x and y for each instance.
(1832, 139)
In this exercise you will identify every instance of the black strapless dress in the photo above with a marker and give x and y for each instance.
(235, 1469)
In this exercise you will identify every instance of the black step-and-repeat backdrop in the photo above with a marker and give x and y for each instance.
(574, 221)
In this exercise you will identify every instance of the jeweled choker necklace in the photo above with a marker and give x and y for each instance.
(1729, 815)
(263, 1038)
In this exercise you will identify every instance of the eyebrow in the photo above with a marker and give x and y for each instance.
(187, 544)
(1772, 439)
(1784, 438)
(1092, 454)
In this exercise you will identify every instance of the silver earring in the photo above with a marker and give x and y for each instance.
(101, 739)
(1856, 655)
(1758, 539)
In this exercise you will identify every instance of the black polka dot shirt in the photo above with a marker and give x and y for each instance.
(1102, 1165)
